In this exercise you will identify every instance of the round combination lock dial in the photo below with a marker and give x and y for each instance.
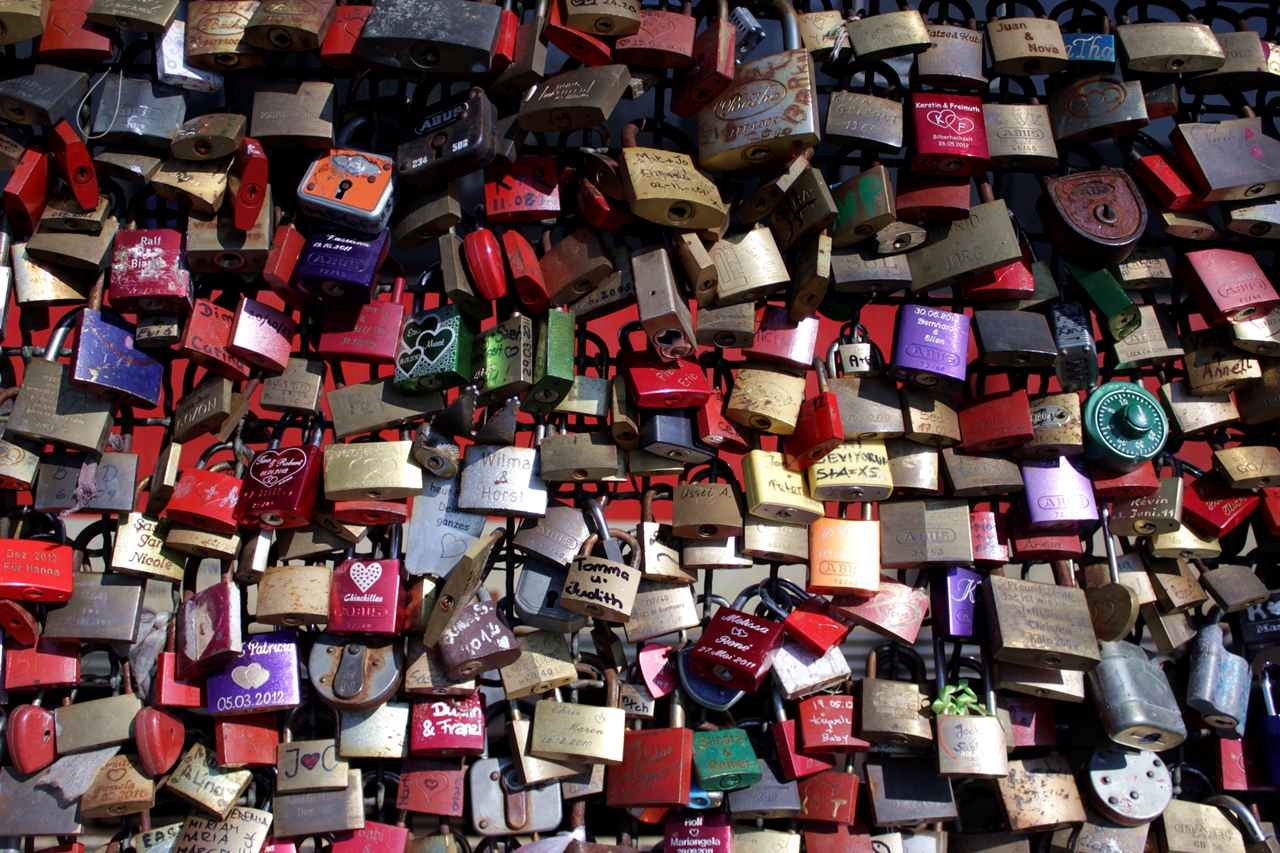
(1124, 427)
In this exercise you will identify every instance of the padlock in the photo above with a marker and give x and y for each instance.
(445, 727)
(603, 588)
(575, 267)
(574, 99)
(950, 137)
(775, 492)
(819, 429)
(1217, 685)
(352, 674)
(460, 38)
(1145, 719)
(1227, 286)
(765, 399)
(1059, 495)
(302, 814)
(727, 657)
(995, 421)
(1214, 365)
(1152, 342)
(1124, 427)
(954, 57)
(1072, 645)
(969, 744)
(205, 338)
(450, 139)
(205, 499)
(930, 347)
(27, 191)
(1145, 515)
(263, 678)
(893, 712)
(73, 164)
(101, 608)
(502, 480)
(600, 736)
(972, 474)
(731, 133)
(637, 781)
(956, 251)
(663, 40)
(665, 187)
(1096, 215)
(1227, 160)
(749, 266)
(844, 554)
(711, 70)
(43, 96)
(29, 735)
(340, 46)
(1019, 136)
(287, 26)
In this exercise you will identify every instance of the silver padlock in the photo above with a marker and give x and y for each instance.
(379, 733)
(502, 480)
(537, 597)
(1218, 685)
(439, 533)
(493, 782)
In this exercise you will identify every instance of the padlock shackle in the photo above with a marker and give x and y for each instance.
(1032, 5)
(1264, 681)
(790, 24)
(966, 11)
(1078, 9)
(1252, 829)
(1113, 568)
(59, 333)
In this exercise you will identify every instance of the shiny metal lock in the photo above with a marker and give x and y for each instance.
(199, 780)
(502, 359)
(971, 745)
(1019, 136)
(888, 34)
(1056, 424)
(1218, 684)
(766, 399)
(457, 37)
(925, 533)
(1153, 342)
(954, 59)
(293, 114)
(502, 805)
(577, 457)
(954, 252)
(1040, 794)
(733, 133)
(575, 99)
(544, 665)
(215, 37)
(1026, 46)
(1248, 467)
(1134, 699)
(865, 205)
(665, 187)
(1220, 161)
(978, 475)
(1179, 48)
(1091, 109)
(351, 674)
(749, 267)
(287, 25)
(159, 111)
(893, 712)
(844, 555)
(1072, 646)
(774, 492)
(502, 481)
(856, 470)
(866, 120)
(1226, 286)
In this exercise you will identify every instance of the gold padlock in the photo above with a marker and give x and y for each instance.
(776, 493)
(856, 470)
(766, 399)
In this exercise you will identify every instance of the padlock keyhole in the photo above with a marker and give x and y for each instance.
(342, 189)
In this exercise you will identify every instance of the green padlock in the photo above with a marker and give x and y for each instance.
(435, 350)
(552, 362)
(724, 760)
(502, 360)
(1124, 427)
(1108, 299)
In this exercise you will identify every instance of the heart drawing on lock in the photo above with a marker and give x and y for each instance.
(430, 342)
(951, 120)
(116, 772)
(67, 21)
(276, 467)
(252, 676)
(452, 546)
(365, 575)
(310, 760)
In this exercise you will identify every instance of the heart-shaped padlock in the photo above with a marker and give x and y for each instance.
(159, 736)
(29, 735)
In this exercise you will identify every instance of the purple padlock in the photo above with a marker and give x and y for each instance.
(956, 605)
(697, 832)
(340, 264)
(1059, 494)
(105, 362)
(931, 348)
(264, 678)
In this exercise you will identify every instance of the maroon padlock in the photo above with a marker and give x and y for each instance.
(366, 595)
(736, 648)
(286, 247)
(159, 737)
(484, 261)
(783, 341)
(29, 735)
(262, 335)
(829, 797)
(74, 164)
(990, 534)
(995, 421)
(1211, 507)
(280, 485)
(368, 333)
(447, 727)
(950, 135)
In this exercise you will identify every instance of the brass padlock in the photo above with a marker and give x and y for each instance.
(749, 268)
(774, 492)
(577, 457)
(1187, 47)
(766, 399)
(1026, 46)
(665, 187)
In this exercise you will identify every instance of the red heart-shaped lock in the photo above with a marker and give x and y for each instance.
(159, 737)
(814, 631)
(29, 734)
(18, 622)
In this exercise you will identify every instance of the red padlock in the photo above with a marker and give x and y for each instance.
(657, 766)
(27, 191)
(786, 741)
(205, 338)
(1163, 178)
(1271, 510)
(736, 648)
(74, 164)
(664, 40)
(1013, 281)
(206, 499)
(950, 135)
(1227, 286)
(70, 38)
(447, 727)
(262, 335)
(286, 247)
(990, 534)
(368, 333)
(29, 735)
(1031, 718)
(251, 740)
(1137, 483)
(657, 384)
(995, 421)
(588, 50)
(712, 68)
(839, 838)
(366, 595)
(932, 198)
(1212, 508)
(829, 797)
(18, 621)
(1041, 547)
(341, 46)
(826, 726)
(504, 49)
(527, 190)
(47, 664)
(1242, 766)
(602, 212)
(526, 273)
(170, 691)
(35, 570)
(148, 275)
(781, 340)
(430, 786)
(280, 485)
(818, 427)
(484, 261)
(247, 181)
(158, 736)
(815, 630)
(383, 837)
